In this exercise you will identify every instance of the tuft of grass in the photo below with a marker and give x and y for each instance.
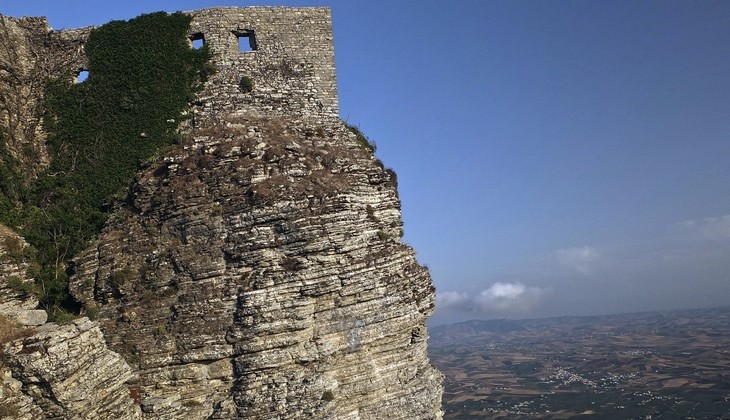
(25, 287)
(370, 210)
(328, 396)
(367, 145)
(11, 330)
(10, 411)
(291, 264)
(121, 277)
(13, 247)
(92, 312)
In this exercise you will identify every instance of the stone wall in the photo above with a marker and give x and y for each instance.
(291, 66)
(292, 69)
(31, 53)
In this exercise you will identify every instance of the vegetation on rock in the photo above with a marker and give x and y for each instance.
(246, 84)
(142, 76)
(367, 145)
(10, 184)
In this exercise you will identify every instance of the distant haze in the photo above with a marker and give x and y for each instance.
(554, 157)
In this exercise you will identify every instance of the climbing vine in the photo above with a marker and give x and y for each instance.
(142, 76)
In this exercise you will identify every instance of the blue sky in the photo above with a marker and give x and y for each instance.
(554, 157)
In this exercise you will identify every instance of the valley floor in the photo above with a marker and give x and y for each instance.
(668, 365)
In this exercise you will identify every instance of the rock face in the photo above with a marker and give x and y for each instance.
(66, 371)
(53, 371)
(256, 271)
(259, 272)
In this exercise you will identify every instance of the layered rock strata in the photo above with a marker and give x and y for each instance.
(50, 370)
(259, 273)
(67, 371)
(17, 301)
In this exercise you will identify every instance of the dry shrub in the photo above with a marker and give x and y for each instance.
(291, 264)
(13, 246)
(11, 330)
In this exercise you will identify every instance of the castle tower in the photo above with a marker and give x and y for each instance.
(268, 60)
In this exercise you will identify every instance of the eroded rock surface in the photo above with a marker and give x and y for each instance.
(17, 301)
(50, 370)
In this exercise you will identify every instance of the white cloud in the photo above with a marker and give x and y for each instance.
(451, 300)
(499, 297)
(505, 291)
(716, 228)
(581, 258)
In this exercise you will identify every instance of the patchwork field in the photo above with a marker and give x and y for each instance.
(669, 365)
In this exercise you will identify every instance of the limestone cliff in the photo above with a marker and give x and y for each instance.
(255, 271)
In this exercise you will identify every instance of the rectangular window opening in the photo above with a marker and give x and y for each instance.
(197, 41)
(81, 76)
(246, 40)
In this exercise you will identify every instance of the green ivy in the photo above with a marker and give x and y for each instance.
(142, 76)
(11, 185)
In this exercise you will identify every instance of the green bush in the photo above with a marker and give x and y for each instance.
(61, 316)
(246, 84)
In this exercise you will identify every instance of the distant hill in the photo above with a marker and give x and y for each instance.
(498, 326)
(474, 329)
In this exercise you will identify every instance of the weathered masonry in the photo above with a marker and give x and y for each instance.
(268, 60)
(30, 53)
(288, 70)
